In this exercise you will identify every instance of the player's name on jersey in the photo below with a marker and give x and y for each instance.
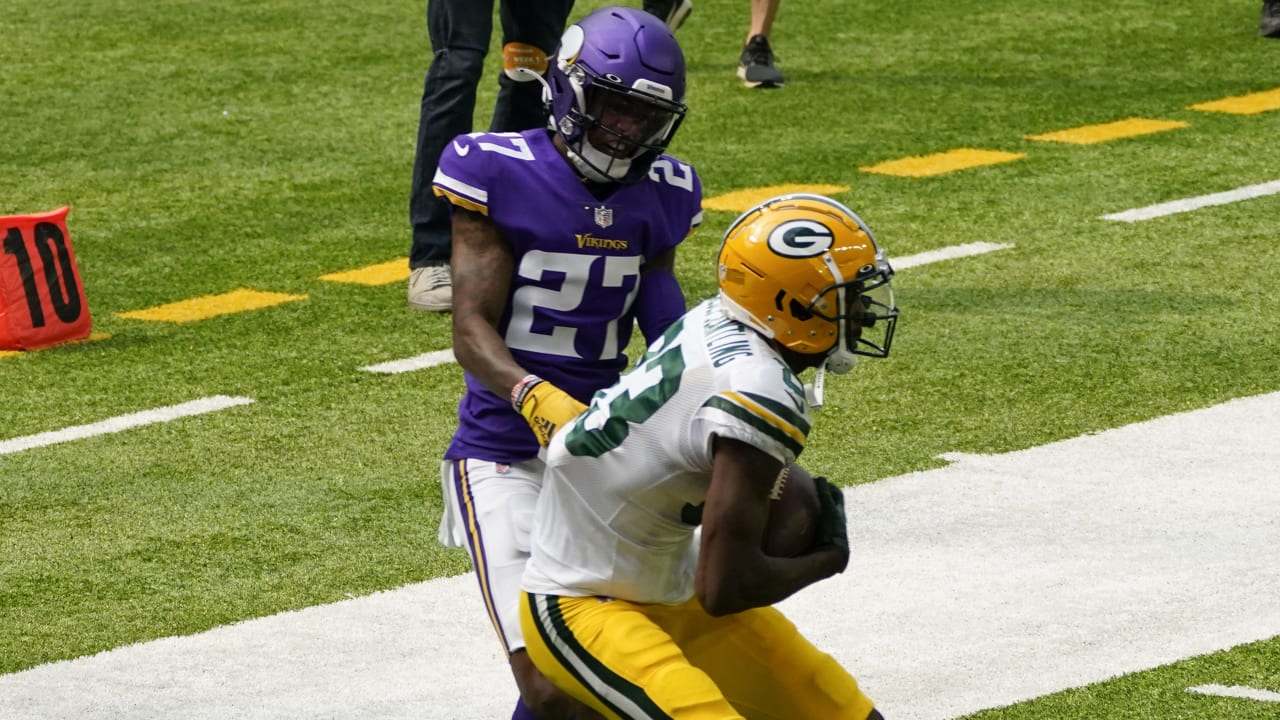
(726, 339)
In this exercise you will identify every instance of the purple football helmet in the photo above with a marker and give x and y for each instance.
(617, 93)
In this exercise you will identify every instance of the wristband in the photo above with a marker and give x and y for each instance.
(521, 389)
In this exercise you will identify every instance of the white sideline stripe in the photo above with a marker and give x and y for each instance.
(417, 362)
(1186, 205)
(946, 253)
(991, 581)
(441, 357)
(1236, 691)
(122, 422)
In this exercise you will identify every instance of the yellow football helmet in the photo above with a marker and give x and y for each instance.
(805, 270)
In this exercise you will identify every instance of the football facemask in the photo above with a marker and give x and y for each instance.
(867, 318)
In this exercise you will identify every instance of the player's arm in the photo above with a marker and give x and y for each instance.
(482, 267)
(661, 301)
(733, 572)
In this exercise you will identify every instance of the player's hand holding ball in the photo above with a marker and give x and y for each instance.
(833, 531)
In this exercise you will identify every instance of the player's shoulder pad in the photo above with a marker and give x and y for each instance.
(465, 171)
(767, 398)
(672, 172)
(680, 189)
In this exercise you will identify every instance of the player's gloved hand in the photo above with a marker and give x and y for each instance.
(833, 531)
(544, 406)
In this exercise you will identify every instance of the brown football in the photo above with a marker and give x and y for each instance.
(793, 514)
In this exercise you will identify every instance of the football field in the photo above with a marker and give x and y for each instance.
(1064, 483)
(959, 597)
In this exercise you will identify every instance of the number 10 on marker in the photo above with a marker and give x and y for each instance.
(42, 300)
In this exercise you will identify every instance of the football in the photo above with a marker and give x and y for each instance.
(793, 514)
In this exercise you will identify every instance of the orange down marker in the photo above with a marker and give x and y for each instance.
(42, 300)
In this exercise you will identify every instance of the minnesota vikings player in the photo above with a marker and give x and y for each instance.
(629, 609)
(563, 240)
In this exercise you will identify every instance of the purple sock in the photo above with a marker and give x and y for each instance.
(523, 712)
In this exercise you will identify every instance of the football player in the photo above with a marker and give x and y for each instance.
(625, 607)
(563, 241)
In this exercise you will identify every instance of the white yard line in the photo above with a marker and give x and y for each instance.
(947, 253)
(1195, 203)
(1236, 691)
(417, 362)
(122, 422)
(996, 579)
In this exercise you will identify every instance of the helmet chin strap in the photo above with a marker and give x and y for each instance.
(840, 361)
(814, 391)
(524, 74)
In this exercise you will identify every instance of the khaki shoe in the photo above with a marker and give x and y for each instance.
(431, 288)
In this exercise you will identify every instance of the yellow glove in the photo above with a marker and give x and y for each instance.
(544, 406)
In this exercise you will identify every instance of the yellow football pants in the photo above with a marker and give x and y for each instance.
(636, 662)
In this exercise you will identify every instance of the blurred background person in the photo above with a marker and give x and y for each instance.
(460, 31)
(1269, 25)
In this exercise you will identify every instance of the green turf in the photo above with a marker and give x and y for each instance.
(205, 147)
(1162, 694)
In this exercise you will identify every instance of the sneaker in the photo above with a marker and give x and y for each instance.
(431, 288)
(672, 12)
(756, 65)
(1269, 25)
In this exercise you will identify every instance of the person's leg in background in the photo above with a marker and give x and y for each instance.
(756, 65)
(460, 31)
(531, 31)
(1269, 25)
(671, 12)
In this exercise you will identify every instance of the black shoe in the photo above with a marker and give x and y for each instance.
(756, 65)
(1269, 25)
(671, 12)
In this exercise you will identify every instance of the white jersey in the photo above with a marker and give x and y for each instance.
(626, 481)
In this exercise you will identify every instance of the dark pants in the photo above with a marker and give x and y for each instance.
(460, 32)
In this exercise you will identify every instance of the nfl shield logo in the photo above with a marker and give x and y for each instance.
(604, 216)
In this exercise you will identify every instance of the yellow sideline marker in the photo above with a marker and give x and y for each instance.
(1090, 134)
(742, 200)
(92, 338)
(1250, 104)
(209, 306)
(380, 274)
(942, 163)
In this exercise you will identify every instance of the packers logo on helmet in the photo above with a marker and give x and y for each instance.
(805, 271)
(801, 238)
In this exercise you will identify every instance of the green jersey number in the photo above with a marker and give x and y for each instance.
(633, 400)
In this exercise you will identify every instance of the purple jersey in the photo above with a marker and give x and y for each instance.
(577, 263)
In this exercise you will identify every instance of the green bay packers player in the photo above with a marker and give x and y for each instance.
(625, 607)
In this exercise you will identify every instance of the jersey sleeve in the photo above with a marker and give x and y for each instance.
(681, 191)
(695, 203)
(764, 406)
(463, 174)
